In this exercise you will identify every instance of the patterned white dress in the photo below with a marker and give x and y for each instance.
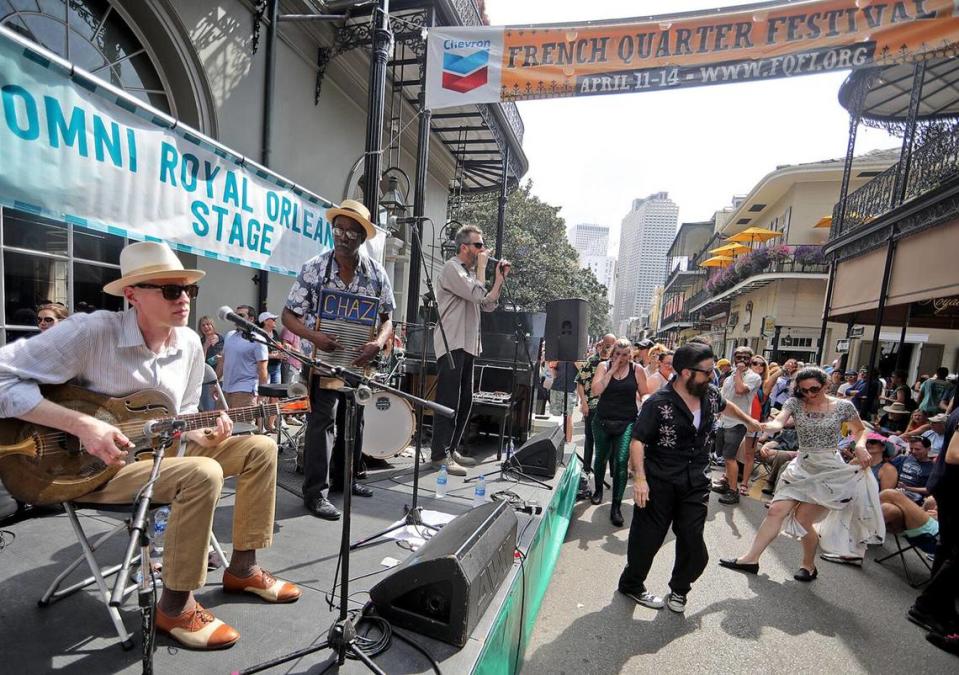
(818, 475)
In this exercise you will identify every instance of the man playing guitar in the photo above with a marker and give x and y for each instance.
(348, 271)
(150, 347)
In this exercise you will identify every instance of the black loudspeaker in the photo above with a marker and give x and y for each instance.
(541, 454)
(566, 322)
(443, 589)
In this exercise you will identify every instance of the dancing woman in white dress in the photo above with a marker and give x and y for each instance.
(818, 482)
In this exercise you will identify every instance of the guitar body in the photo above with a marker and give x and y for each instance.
(40, 465)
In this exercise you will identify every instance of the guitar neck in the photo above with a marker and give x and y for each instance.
(243, 414)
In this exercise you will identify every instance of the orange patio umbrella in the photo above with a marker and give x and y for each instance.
(754, 234)
(717, 261)
(730, 250)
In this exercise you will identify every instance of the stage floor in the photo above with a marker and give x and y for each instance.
(76, 635)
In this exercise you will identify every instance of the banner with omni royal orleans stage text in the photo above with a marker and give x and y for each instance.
(78, 150)
(488, 64)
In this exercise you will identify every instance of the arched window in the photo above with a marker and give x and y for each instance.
(95, 36)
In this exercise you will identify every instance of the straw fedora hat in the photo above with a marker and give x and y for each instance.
(896, 408)
(146, 260)
(355, 211)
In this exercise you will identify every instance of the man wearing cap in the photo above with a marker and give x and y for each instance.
(243, 367)
(149, 347)
(936, 433)
(345, 269)
(850, 379)
(640, 350)
(460, 296)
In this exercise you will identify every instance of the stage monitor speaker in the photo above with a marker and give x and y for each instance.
(566, 322)
(541, 454)
(443, 588)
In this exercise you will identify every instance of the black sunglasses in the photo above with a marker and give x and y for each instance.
(700, 370)
(478, 245)
(173, 291)
(815, 389)
(757, 362)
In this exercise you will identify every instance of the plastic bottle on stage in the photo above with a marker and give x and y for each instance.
(479, 492)
(160, 518)
(442, 478)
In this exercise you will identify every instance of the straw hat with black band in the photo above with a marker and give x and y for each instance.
(897, 408)
(355, 211)
(146, 261)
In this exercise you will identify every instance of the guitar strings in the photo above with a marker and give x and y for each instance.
(245, 414)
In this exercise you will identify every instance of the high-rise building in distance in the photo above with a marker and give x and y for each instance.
(647, 231)
(592, 244)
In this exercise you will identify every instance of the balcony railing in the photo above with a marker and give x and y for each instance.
(768, 260)
(935, 161)
(674, 317)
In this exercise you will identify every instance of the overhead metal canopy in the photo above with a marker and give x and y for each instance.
(885, 91)
(476, 135)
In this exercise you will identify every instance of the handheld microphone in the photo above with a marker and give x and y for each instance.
(497, 261)
(226, 313)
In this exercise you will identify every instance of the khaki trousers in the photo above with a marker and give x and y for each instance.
(191, 485)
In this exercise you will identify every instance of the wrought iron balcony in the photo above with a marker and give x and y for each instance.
(934, 163)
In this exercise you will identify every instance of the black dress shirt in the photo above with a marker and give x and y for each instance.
(675, 450)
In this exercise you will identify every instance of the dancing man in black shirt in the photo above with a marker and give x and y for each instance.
(671, 484)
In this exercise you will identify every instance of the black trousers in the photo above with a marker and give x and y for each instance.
(680, 504)
(454, 389)
(939, 596)
(588, 443)
(325, 443)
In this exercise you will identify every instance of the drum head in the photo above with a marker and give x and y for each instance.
(387, 426)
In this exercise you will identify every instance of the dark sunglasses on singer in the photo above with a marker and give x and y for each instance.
(173, 291)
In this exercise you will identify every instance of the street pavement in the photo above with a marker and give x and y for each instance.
(849, 620)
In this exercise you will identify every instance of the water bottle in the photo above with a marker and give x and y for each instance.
(479, 492)
(160, 518)
(509, 449)
(442, 478)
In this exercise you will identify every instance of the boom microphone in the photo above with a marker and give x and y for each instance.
(226, 313)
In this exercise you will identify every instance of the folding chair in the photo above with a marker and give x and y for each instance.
(98, 574)
(900, 552)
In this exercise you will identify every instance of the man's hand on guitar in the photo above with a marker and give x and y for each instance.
(103, 441)
(213, 436)
(324, 342)
(367, 353)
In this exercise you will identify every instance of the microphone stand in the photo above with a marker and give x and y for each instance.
(413, 513)
(140, 537)
(342, 635)
(518, 333)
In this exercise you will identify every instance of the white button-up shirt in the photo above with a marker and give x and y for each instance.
(104, 352)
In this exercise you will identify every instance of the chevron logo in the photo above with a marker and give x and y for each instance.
(465, 72)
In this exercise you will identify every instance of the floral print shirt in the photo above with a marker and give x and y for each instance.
(675, 450)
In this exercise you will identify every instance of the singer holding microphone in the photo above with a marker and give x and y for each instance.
(150, 347)
(460, 296)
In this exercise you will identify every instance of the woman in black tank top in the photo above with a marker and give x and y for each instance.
(619, 384)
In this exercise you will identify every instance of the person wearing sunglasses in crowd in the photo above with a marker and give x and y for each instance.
(818, 482)
(243, 366)
(150, 347)
(50, 314)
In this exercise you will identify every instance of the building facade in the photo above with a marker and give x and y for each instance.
(592, 245)
(647, 232)
(204, 66)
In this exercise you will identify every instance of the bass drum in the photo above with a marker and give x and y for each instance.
(388, 422)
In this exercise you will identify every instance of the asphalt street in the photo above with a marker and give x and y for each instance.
(849, 620)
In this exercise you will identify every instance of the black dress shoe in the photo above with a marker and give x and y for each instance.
(360, 490)
(616, 515)
(321, 508)
(805, 575)
(597, 497)
(734, 564)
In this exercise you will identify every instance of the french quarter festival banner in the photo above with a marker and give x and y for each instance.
(488, 64)
(78, 150)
